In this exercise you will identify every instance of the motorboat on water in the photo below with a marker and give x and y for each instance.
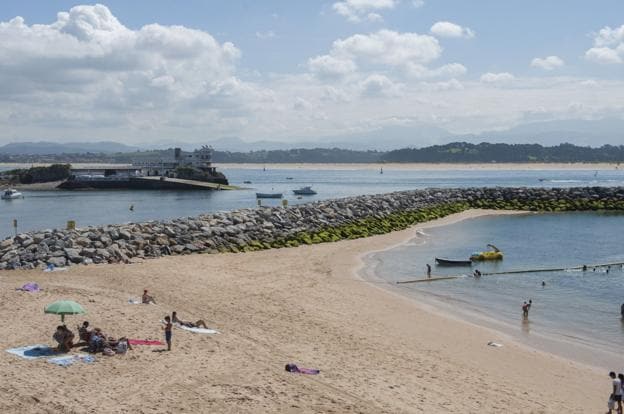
(494, 254)
(11, 194)
(448, 262)
(269, 195)
(307, 190)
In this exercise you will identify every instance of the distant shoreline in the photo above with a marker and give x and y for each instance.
(430, 166)
(600, 166)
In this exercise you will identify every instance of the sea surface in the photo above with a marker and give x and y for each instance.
(575, 313)
(52, 209)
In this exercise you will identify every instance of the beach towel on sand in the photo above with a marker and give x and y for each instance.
(143, 342)
(33, 351)
(295, 369)
(29, 287)
(133, 301)
(67, 360)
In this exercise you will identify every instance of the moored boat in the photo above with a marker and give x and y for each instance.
(269, 195)
(448, 262)
(494, 254)
(11, 194)
(307, 190)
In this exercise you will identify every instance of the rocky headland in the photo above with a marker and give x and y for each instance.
(276, 227)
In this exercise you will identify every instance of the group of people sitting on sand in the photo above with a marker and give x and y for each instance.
(97, 341)
(94, 339)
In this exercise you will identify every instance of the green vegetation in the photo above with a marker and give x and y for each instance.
(457, 152)
(54, 172)
(486, 152)
(582, 204)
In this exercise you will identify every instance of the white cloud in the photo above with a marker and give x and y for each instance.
(608, 46)
(448, 29)
(88, 76)
(88, 70)
(389, 48)
(548, 63)
(328, 66)
(361, 10)
(497, 78)
(449, 70)
(379, 85)
(269, 34)
(409, 54)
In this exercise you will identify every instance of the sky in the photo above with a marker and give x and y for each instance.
(153, 71)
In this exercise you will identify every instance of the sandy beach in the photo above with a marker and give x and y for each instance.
(378, 352)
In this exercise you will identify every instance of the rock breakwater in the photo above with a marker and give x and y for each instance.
(265, 228)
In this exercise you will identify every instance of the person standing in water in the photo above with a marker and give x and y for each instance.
(428, 270)
(526, 307)
(622, 310)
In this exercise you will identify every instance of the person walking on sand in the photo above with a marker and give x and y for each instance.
(168, 326)
(616, 392)
(428, 270)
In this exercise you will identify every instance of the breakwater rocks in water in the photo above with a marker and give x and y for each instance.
(265, 228)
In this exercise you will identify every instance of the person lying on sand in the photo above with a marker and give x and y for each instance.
(198, 324)
(64, 337)
(147, 298)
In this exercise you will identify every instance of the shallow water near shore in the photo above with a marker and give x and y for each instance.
(52, 209)
(576, 314)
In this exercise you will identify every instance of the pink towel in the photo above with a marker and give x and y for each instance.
(143, 342)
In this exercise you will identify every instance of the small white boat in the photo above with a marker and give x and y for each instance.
(268, 195)
(11, 194)
(305, 191)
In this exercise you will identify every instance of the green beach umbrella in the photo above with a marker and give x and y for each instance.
(64, 307)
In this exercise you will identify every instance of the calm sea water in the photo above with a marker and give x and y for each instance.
(50, 209)
(576, 313)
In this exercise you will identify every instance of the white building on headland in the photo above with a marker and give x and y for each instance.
(200, 159)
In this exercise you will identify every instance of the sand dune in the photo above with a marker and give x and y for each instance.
(378, 352)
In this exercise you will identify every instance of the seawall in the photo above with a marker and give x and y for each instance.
(275, 227)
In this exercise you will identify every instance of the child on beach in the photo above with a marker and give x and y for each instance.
(168, 326)
(146, 299)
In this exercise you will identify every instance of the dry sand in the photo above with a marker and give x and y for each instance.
(378, 352)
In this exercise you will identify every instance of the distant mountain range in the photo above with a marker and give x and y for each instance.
(47, 148)
(609, 131)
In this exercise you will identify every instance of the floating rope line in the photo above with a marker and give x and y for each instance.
(517, 271)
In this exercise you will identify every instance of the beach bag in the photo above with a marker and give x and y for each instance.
(122, 347)
(611, 403)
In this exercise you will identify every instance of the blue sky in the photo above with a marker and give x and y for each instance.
(298, 69)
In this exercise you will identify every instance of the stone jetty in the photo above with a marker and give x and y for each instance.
(275, 227)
